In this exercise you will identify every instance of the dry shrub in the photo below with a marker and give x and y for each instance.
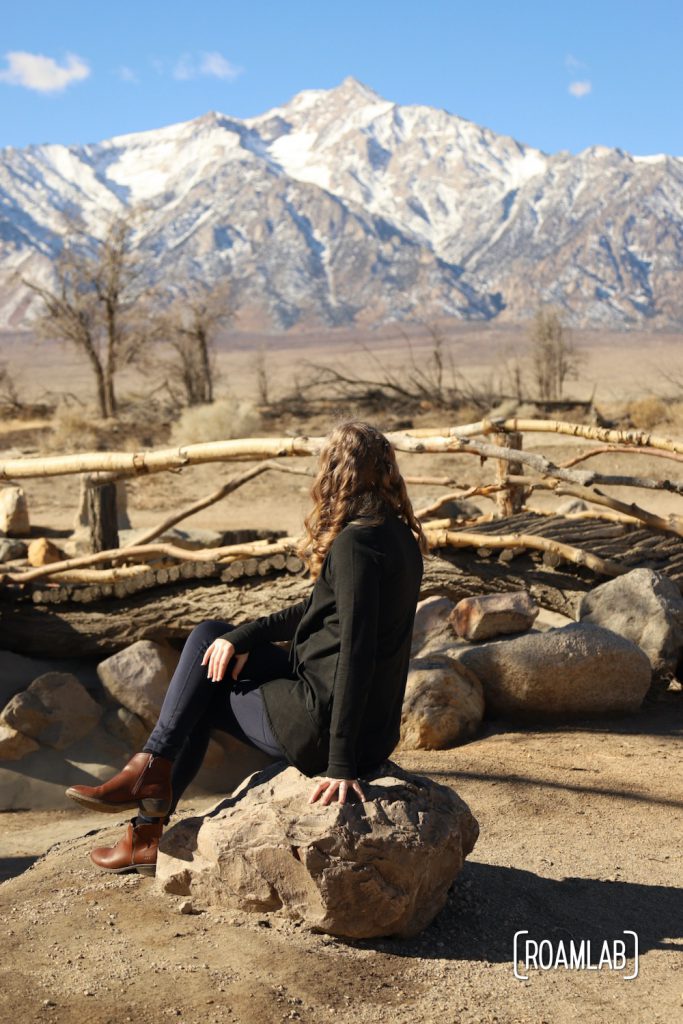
(467, 413)
(216, 421)
(675, 413)
(646, 413)
(75, 428)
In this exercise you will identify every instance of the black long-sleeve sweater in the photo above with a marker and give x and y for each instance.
(340, 714)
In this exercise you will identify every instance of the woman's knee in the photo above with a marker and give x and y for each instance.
(209, 629)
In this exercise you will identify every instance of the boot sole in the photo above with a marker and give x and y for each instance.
(142, 869)
(152, 808)
(93, 804)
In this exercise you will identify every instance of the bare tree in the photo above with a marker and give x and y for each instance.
(262, 379)
(91, 305)
(9, 394)
(554, 357)
(672, 375)
(189, 322)
(513, 374)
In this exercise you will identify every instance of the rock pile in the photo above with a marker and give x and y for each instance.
(56, 732)
(630, 631)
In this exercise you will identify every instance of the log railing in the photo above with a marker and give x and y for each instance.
(117, 571)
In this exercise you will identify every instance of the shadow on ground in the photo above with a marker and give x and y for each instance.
(488, 903)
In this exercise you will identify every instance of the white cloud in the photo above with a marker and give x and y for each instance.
(211, 64)
(34, 71)
(127, 74)
(218, 66)
(580, 89)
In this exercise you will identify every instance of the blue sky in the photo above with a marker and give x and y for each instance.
(554, 75)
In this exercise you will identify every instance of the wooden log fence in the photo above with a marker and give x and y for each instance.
(446, 439)
(142, 564)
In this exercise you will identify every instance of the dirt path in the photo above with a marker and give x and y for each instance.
(581, 833)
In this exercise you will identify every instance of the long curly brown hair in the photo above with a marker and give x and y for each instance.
(357, 476)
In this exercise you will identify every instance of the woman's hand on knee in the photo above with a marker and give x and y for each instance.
(217, 656)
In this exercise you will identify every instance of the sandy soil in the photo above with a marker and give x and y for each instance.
(580, 837)
(580, 827)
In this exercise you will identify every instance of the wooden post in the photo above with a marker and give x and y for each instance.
(81, 520)
(100, 500)
(511, 496)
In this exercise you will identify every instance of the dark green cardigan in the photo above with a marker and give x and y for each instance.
(340, 713)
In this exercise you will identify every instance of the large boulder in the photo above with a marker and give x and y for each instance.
(487, 615)
(138, 677)
(14, 521)
(644, 606)
(56, 710)
(432, 627)
(18, 671)
(378, 867)
(577, 670)
(14, 744)
(443, 704)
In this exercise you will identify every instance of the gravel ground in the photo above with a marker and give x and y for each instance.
(580, 838)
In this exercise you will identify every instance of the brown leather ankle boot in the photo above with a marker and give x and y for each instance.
(135, 851)
(145, 782)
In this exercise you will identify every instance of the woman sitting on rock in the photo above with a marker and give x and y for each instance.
(332, 705)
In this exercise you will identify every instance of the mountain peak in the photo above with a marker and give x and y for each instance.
(353, 89)
(350, 94)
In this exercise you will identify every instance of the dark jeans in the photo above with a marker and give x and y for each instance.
(194, 705)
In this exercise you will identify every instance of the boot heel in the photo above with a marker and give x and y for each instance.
(154, 808)
(146, 869)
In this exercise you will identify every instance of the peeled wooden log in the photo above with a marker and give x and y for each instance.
(234, 571)
(630, 438)
(591, 513)
(620, 450)
(481, 490)
(444, 439)
(228, 487)
(509, 497)
(459, 538)
(127, 580)
(671, 523)
(144, 551)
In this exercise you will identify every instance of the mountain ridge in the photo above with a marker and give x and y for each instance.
(341, 207)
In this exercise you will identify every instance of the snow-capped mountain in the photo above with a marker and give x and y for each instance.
(342, 207)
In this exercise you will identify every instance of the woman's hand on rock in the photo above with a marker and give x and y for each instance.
(330, 787)
(217, 655)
